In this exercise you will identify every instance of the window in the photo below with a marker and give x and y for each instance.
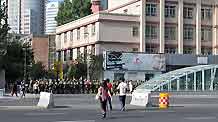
(170, 33)
(65, 37)
(93, 29)
(206, 51)
(188, 13)
(86, 32)
(85, 53)
(93, 50)
(59, 55)
(206, 34)
(65, 55)
(71, 35)
(150, 49)
(170, 50)
(151, 9)
(206, 14)
(135, 31)
(125, 11)
(151, 31)
(78, 52)
(188, 50)
(188, 33)
(135, 49)
(78, 34)
(71, 54)
(170, 11)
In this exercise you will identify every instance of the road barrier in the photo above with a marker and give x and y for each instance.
(46, 100)
(163, 100)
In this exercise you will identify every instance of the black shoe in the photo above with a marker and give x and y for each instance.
(103, 115)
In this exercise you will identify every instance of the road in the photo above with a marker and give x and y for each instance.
(83, 108)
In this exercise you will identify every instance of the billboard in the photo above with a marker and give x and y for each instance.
(134, 61)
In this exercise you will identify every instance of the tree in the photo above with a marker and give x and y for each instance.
(95, 67)
(13, 61)
(4, 27)
(38, 71)
(58, 69)
(78, 69)
(70, 10)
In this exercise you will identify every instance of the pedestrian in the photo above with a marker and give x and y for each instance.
(36, 87)
(122, 87)
(102, 96)
(110, 87)
(130, 87)
(14, 90)
(22, 90)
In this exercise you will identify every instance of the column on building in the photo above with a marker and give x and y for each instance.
(97, 49)
(180, 27)
(75, 53)
(215, 29)
(142, 26)
(162, 26)
(89, 49)
(82, 51)
(198, 27)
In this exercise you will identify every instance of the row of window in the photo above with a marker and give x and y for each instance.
(151, 32)
(68, 54)
(173, 50)
(170, 11)
(78, 33)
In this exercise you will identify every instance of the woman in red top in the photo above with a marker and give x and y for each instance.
(103, 94)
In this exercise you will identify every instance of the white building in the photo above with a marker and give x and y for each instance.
(51, 10)
(149, 26)
(26, 16)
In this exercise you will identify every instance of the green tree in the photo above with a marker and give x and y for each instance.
(4, 27)
(38, 71)
(78, 69)
(14, 59)
(70, 10)
(95, 67)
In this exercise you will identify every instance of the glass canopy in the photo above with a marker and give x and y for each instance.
(196, 78)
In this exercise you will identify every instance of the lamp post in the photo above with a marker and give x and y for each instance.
(26, 43)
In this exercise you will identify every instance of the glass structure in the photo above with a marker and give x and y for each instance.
(196, 78)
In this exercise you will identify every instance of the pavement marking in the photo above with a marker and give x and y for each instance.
(43, 114)
(201, 118)
(157, 111)
(78, 121)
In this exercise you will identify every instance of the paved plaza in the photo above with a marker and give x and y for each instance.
(83, 108)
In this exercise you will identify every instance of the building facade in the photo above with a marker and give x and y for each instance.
(51, 10)
(26, 16)
(148, 26)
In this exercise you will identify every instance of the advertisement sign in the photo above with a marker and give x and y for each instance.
(134, 61)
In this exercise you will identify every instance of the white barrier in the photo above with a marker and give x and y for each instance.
(46, 100)
(2, 92)
(140, 99)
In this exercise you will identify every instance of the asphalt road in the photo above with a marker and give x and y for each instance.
(83, 108)
(176, 114)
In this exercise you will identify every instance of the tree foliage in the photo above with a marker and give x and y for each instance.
(78, 69)
(4, 27)
(70, 10)
(13, 61)
(38, 71)
(95, 67)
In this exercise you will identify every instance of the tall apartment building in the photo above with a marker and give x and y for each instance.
(26, 16)
(51, 10)
(171, 27)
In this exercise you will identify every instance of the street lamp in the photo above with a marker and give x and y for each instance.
(26, 42)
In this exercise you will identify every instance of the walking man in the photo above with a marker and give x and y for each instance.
(110, 87)
(122, 87)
